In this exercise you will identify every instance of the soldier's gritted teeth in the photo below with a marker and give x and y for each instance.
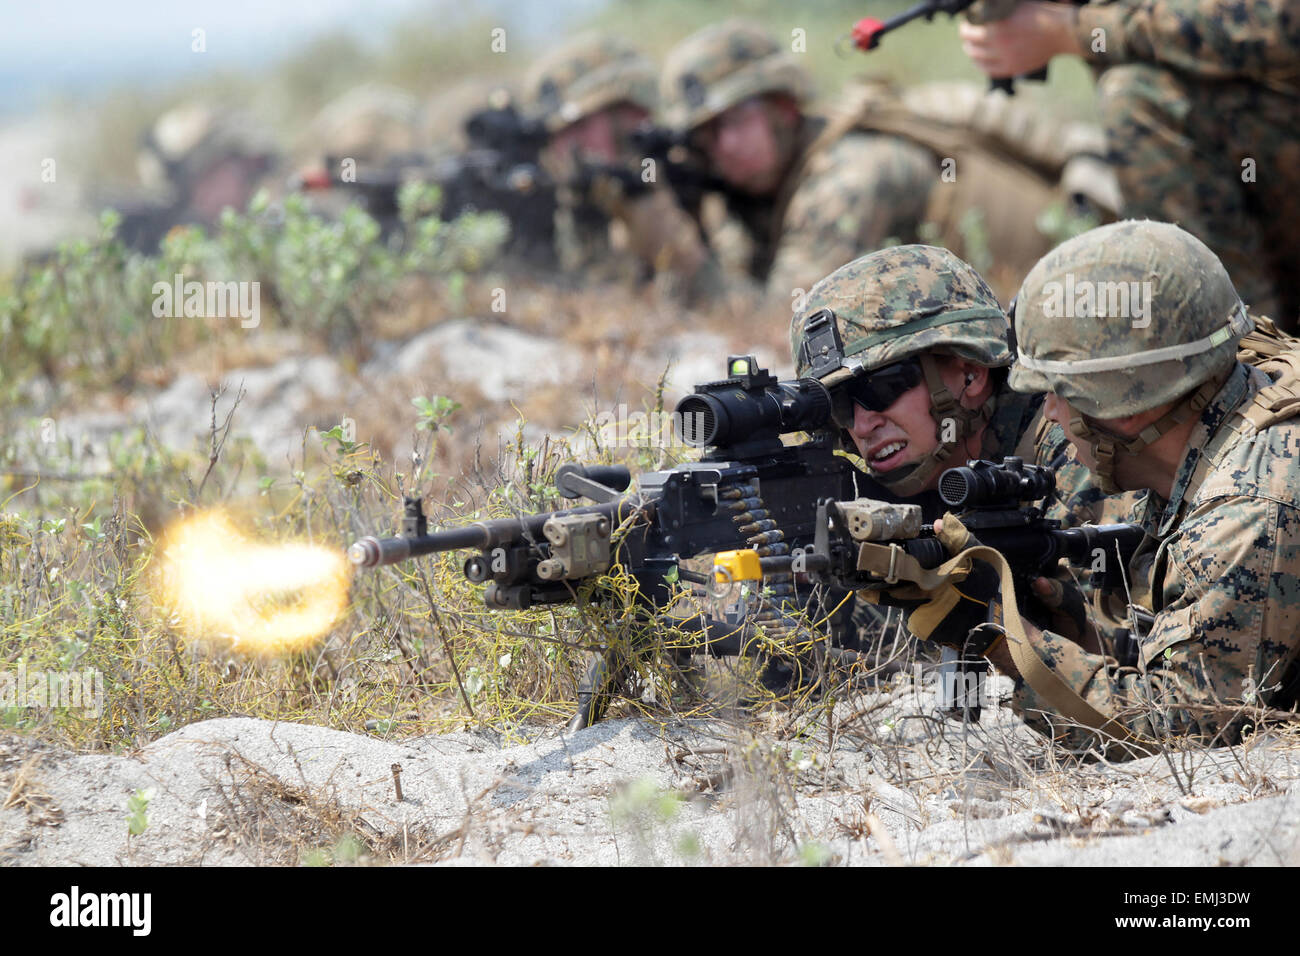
(897, 437)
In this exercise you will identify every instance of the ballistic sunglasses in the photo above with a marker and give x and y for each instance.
(876, 390)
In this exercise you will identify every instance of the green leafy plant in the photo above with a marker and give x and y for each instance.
(91, 310)
(137, 807)
(433, 411)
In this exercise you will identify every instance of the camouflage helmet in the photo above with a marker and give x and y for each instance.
(722, 65)
(900, 302)
(1123, 319)
(188, 139)
(591, 72)
(1126, 317)
(896, 304)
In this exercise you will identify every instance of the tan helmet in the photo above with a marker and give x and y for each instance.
(186, 140)
(1123, 319)
(895, 304)
(722, 65)
(591, 72)
(440, 121)
(367, 123)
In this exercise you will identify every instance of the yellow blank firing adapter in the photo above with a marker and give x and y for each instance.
(729, 566)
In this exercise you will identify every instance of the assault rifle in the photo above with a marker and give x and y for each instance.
(677, 165)
(499, 172)
(800, 512)
(685, 171)
(868, 31)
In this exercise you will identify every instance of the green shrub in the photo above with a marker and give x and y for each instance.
(89, 313)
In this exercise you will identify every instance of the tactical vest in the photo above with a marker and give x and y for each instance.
(1277, 354)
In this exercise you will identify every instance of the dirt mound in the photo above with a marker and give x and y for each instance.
(240, 791)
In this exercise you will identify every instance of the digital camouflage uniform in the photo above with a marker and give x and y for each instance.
(1225, 583)
(920, 301)
(1201, 103)
(880, 167)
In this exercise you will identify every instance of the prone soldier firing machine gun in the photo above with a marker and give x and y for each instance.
(795, 517)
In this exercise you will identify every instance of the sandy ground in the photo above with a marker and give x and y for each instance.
(239, 791)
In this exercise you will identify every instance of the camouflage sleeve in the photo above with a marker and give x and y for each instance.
(1229, 628)
(1254, 39)
(860, 192)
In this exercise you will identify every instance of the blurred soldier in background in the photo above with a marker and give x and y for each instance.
(614, 220)
(370, 123)
(440, 117)
(195, 161)
(946, 164)
(369, 128)
(470, 141)
(1201, 104)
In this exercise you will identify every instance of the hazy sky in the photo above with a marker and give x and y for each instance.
(54, 46)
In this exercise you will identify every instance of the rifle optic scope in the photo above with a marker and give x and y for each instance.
(982, 484)
(505, 130)
(751, 404)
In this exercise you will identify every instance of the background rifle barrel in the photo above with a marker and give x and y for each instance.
(1078, 545)
(1027, 548)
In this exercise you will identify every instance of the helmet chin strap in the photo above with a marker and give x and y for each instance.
(948, 414)
(1106, 445)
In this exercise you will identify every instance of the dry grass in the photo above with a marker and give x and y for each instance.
(266, 821)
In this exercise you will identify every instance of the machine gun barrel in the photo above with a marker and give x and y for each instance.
(371, 551)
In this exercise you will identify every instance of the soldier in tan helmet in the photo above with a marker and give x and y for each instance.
(366, 134)
(947, 164)
(198, 161)
(591, 94)
(370, 123)
(1136, 332)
